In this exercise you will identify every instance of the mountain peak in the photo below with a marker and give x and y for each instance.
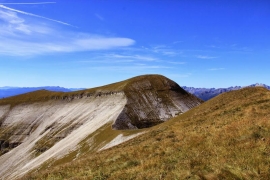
(44, 125)
(147, 82)
(152, 99)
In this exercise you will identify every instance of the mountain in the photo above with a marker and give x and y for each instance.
(202, 93)
(227, 137)
(208, 93)
(13, 91)
(55, 127)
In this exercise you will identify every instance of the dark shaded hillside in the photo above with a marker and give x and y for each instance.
(227, 137)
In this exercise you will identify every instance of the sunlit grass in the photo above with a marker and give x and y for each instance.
(227, 137)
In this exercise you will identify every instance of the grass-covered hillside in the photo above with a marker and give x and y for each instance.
(227, 137)
(55, 128)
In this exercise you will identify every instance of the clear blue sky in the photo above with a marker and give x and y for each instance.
(90, 43)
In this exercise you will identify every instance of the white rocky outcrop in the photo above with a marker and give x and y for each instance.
(89, 113)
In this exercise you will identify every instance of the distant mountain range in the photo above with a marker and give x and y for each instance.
(202, 93)
(8, 91)
(208, 93)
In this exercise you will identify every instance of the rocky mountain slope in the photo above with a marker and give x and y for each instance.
(43, 125)
(208, 93)
(227, 137)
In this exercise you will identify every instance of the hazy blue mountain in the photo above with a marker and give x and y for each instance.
(12, 91)
(208, 93)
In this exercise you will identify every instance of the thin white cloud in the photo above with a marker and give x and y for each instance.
(106, 61)
(177, 42)
(165, 50)
(20, 36)
(34, 15)
(118, 62)
(13, 27)
(97, 43)
(136, 57)
(24, 48)
(206, 57)
(32, 3)
(213, 46)
(176, 62)
(216, 69)
(131, 68)
(99, 17)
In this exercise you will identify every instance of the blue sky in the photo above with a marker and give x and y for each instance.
(91, 43)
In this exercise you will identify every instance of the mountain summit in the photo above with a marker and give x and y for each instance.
(152, 99)
(43, 125)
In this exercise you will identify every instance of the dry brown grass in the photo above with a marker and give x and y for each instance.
(227, 137)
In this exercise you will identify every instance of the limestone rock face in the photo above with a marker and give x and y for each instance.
(43, 125)
(151, 100)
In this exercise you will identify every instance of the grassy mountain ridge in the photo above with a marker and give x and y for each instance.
(45, 95)
(227, 137)
(55, 127)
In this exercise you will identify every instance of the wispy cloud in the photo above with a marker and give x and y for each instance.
(97, 43)
(177, 42)
(34, 15)
(20, 36)
(105, 61)
(99, 17)
(132, 68)
(165, 50)
(216, 69)
(23, 48)
(231, 48)
(126, 63)
(32, 3)
(176, 62)
(13, 23)
(205, 57)
(213, 46)
(135, 57)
